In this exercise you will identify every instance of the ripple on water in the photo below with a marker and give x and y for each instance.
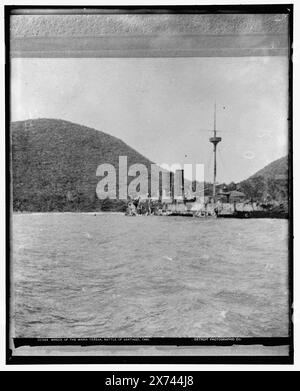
(108, 275)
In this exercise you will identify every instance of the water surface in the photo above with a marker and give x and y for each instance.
(109, 275)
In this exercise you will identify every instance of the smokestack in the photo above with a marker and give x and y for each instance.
(182, 183)
(180, 178)
(172, 185)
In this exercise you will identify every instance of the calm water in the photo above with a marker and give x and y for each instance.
(81, 275)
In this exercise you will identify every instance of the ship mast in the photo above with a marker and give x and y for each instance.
(215, 140)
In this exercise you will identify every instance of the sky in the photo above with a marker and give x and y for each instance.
(162, 106)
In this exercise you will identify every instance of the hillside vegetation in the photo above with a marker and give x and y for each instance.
(54, 165)
(269, 183)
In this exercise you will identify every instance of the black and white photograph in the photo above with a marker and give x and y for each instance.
(149, 154)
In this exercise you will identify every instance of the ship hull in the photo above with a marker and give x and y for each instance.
(255, 215)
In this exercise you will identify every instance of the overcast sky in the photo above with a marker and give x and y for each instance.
(160, 106)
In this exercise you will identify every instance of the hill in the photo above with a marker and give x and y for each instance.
(271, 182)
(54, 165)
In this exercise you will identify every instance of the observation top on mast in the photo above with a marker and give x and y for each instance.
(215, 139)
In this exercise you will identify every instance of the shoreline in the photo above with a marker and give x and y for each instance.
(75, 212)
(122, 213)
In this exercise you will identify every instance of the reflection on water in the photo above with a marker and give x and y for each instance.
(108, 275)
